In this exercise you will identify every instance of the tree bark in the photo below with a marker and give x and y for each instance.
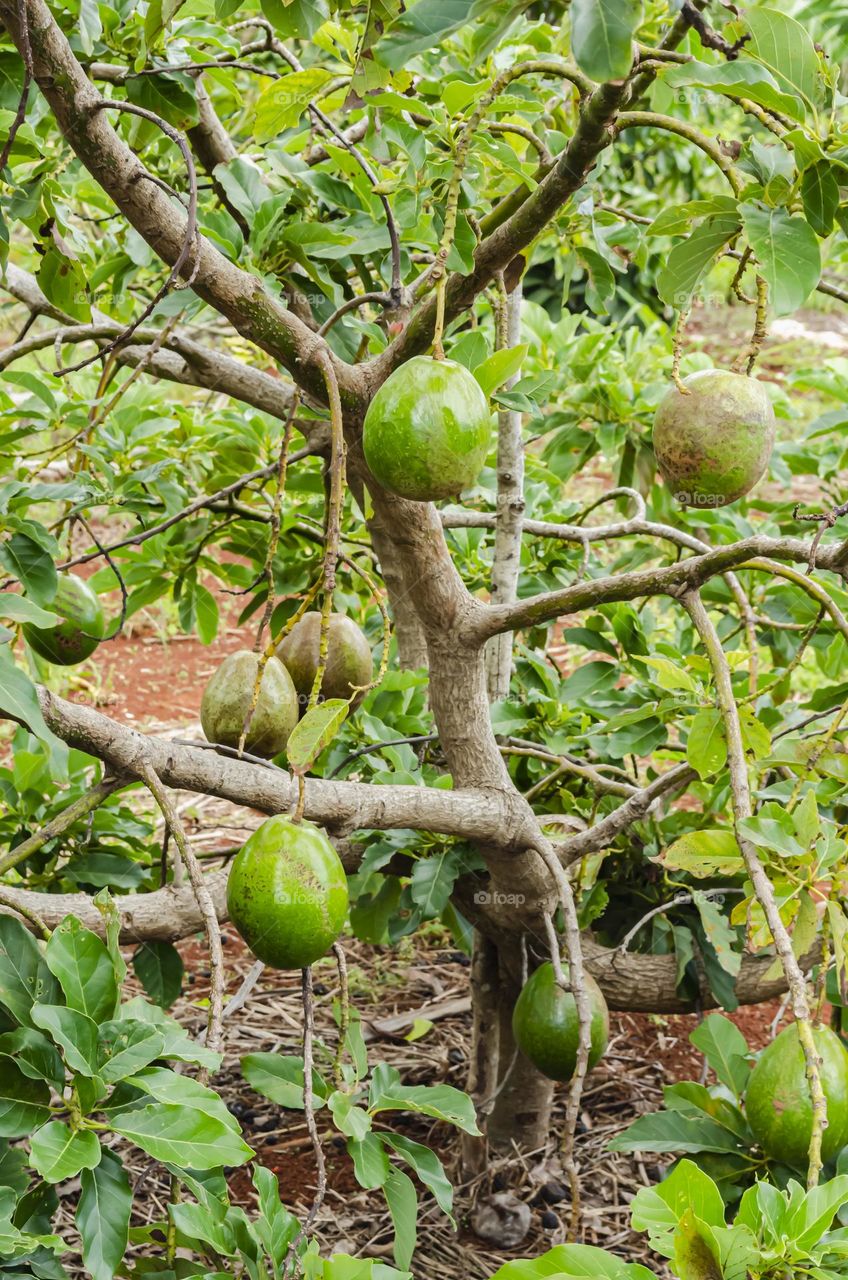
(521, 1109)
(483, 1065)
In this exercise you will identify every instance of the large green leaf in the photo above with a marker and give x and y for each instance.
(423, 26)
(166, 1085)
(427, 1166)
(182, 1136)
(706, 747)
(81, 962)
(23, 1101)
(125, 1046)
(440, 1101)
(738, 79)
(159, 968)
(280, 1078)
(712, 851)
(36, 1056)
(399, 1191)
(725, 1049)
(784, 46)
(63, 282)
(58, 1152)
(602, 33)
(75, 1034)
(689, 261)
(281, 105)
(103, 1216)
(573, 1262)
(24, 976)
(667, 1132)
(19, 699)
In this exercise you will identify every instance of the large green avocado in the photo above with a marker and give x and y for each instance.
(546, 1026)
(426, 433)
(777, 1101)
(228, 695)
(287, 893)
(714, 444)
(349, 663)
(82, 627)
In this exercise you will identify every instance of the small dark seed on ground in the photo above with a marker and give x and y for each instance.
(549, 1220)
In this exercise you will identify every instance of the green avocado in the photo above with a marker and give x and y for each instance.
(228, 695)
(287, 893)
(427, 430)
(714, 444)
(349, 663)
(546, 1026)
(777, 1100)
(82, 627)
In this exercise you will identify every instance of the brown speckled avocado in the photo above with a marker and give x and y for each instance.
(349, 663)
(228, 695)
(714, 444)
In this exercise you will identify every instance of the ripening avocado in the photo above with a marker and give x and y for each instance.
(349, 662)
(228, 696)
(713, 444)
(82, 627)
(427, 430)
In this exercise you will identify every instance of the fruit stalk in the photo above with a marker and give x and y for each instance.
(763, 889)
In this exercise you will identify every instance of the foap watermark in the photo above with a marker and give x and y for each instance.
(496, 898)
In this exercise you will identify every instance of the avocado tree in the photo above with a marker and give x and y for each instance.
(274, 269)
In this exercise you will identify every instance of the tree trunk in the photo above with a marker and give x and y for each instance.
(520, 1113)
(483, 1067)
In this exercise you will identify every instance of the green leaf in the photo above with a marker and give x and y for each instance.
(399, 1191)
(125, 1046)
(103, 1216)
(170, 96)
(21, 609)
(687, 1188)
(719, 933)
(370, 1162)
(159, 968)
(58, 1152)
(63, 282)
(725, 1049)
(281, 1079)
(788, 254)
(689, 260)
(814, 1215)
(428, 1167)
(281, 105)
(433, 880)
(315, 732)
(423, 26)
(19, 699)
(31, 565)
(820, 194)
(441, 1101)
(499, 367)
(36, 1056)
(90, 26)
(670, 676)
(602, 33)
(694, 1257)
(296, 19)
(667, 1132)
(738, 79)
(79, 959)
(784, 46)
(23, 1101)
(206, 613)
(75, 1033)
(182, 1136)
(713, 851)
(13, 1168)
(706, 748)
(24, 976)
(168, 1086)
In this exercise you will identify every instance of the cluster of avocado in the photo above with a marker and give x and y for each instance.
(286, 684)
